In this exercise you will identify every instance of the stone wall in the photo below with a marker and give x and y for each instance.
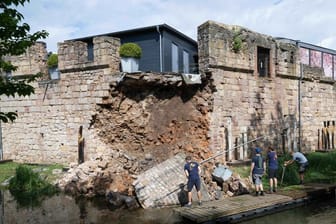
(143, 114)
(46, 130)
(158, 115)
(32, 61)
(247, 106)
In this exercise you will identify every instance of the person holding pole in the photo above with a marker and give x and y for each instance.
(192, 171)
(303, 163)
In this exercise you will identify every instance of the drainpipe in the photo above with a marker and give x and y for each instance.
(299, 99)
(1, 149)
(160, 40)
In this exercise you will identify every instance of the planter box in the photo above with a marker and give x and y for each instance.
(54, 73)
(129, 64)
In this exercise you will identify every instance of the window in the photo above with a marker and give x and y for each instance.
(175, 58)
(185, 62)
(263, 57)
(90, 51)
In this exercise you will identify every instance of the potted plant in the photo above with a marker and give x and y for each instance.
(130, 54)
(52, 66)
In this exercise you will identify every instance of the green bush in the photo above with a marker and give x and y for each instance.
(322, 167)
(52, 61)
(28, 188)
(130, 50)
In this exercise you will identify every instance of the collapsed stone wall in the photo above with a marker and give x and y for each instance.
(159, 117)
(149, 117)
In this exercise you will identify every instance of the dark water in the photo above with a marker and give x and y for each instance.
(316, 212)
(65, 209)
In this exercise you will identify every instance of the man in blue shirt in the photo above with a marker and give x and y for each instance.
(257, 171)
(303, 163)
(192, 171)
(272, 160)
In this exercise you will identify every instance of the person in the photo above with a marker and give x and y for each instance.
(258, 165)
(301, 160)
(192, 171)
(272, 160)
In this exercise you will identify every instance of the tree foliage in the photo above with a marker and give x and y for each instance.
(14, 40)
(52, 61)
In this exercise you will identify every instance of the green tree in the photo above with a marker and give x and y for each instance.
(14, 40)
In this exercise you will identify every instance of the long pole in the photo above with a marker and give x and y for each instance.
(221, 153)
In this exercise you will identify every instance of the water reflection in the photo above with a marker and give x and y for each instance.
(321, 212)
(65, 209)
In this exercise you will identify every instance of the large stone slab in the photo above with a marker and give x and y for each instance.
(164, 184)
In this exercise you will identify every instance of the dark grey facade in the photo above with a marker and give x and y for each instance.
(164, 49)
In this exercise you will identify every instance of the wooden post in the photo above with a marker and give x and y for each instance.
(245, 145)
(318, 139)
(324, 136)
(329, 134)
(229, 131)
(80, 145)
(333, 135)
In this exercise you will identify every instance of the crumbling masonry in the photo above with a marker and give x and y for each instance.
(252, 89)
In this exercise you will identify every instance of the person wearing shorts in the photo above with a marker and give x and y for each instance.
(192, 171)
(302, 161)
(257, 171)
(272, 161)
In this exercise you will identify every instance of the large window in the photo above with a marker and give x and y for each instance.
(175, 58)
(263, 56)
(185, 62)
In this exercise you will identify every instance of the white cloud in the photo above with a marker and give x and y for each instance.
(305, 20)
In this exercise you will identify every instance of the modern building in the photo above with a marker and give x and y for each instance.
(164, 49)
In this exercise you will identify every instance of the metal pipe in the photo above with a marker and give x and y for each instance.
(1, 147)
(160, 42)
(299, 99)
(299, 108)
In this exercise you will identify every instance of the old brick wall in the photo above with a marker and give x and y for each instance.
(267, 106)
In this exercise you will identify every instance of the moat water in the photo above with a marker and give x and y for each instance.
(65, 209)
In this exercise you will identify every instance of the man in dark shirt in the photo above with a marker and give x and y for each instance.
(257, 171)
(272, 160)
(192, 171)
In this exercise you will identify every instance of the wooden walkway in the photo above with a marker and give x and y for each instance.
(224, 209)
(248, 206)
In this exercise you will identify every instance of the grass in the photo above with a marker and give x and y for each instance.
(322, 169)
(29, 188)
(7, 170)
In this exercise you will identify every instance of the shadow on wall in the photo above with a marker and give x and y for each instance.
(279, 132)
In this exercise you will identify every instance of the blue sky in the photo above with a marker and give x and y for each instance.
(312, 21)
